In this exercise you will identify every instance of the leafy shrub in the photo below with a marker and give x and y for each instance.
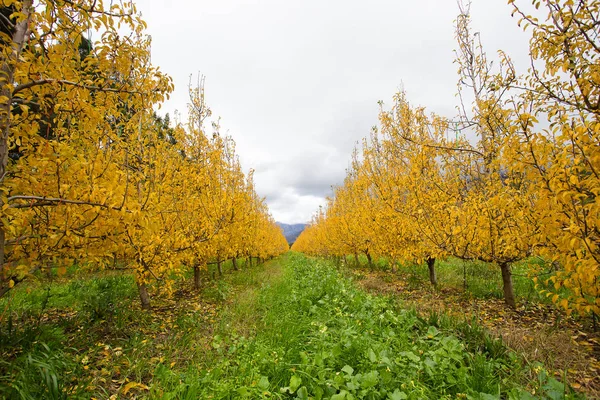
(40, 374)
(99, 298)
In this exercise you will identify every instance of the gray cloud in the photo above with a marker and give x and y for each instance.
(297, 82)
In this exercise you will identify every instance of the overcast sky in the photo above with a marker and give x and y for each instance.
(296, 83)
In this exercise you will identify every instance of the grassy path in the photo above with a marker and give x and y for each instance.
(315, 335)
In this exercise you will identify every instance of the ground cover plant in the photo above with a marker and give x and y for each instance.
(568, 345)
(322, 337)
(83, 336)
(294, 327)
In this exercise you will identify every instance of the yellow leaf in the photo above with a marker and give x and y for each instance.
(564, 303)
(132, 385)
(574, 179)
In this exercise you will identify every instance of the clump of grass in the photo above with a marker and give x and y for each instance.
(40, 324)
(45, 373)
(85, 333)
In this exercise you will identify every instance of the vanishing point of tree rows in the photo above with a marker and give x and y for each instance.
(91, 177)
(513, 177)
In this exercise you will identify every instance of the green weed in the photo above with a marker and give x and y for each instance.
(322, 338)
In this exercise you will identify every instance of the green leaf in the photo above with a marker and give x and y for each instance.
(398, 395)
(487, 396)
(432, 332)
(304, 357)
(411, 356)
(348, 369)
(521, 395)
(430, 363)
(318, 392)
(340, 396)
(295, 382)
(302, 393)
(263, 383)
(372, 356)
(554, 389)
(370, 379)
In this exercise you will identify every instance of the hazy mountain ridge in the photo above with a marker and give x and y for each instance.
(291, 231)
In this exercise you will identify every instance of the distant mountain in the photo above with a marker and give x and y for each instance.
(291, 231)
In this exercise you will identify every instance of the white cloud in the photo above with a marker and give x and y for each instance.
(297, 82)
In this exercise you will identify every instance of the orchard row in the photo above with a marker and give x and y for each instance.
(515, 175)
(91, 176)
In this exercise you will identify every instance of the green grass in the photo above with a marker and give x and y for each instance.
(481, 279)
(40, 356)
(292, 328)
(320, 337)
(84, 335)
(475, 278)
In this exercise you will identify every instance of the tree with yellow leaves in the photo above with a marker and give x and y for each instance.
(562, 156)
(497, 201)
(415, 173)
(447, 197)
(89, 172)
(64, 114)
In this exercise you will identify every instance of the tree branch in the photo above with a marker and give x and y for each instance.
(41, 201)
(40, 82)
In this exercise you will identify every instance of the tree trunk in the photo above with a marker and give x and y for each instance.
(3, 289)
(234, 263)
(507, 284)
(196, 277)
(219, 268)
(394, 270)
(144, 297)
(431, 266)
(357, 262)
(48, 271)
(464, 275)
(369, 259)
